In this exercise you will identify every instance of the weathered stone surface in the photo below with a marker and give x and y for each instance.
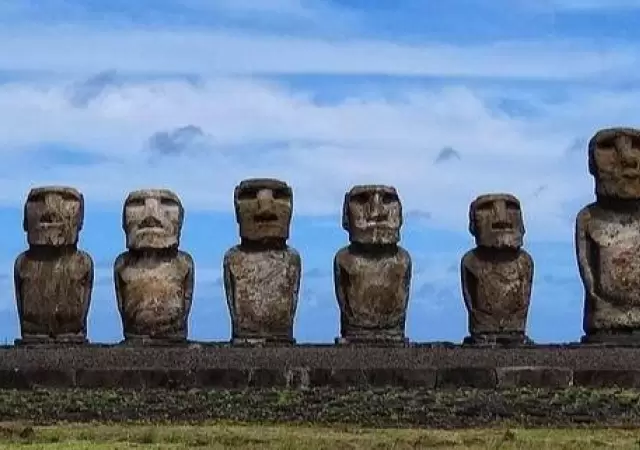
(607, 239)
(372, 275)
(154, 280)
(473, 377)
(607, 378)
(532, 376)
(262, 274)
(53, 279)
(497, 275)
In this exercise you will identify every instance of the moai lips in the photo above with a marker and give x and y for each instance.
(154, 280)
(497, 275)
(372, 275)
(607, 239)
(262, 274)
(53, 279)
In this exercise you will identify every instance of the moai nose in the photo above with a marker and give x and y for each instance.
(501, 220)
(376, 208)
(628, 156)
(265, 205)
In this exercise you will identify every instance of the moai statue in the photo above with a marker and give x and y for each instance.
(607, 239)
(53, 279)
(154, 279)
(497, 275)
(262, 274)
(372, 275)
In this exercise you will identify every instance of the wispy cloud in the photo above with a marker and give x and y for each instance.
(79, 51)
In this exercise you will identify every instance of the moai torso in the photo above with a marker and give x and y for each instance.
(608, 239)
(497, 275)
(372, 275)
(262, 274)
(154, 280)
(53, 279)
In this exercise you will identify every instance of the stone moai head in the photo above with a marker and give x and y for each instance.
(372, 214)
(53, 216)
(264, 207)
(495, 220)
(152, 219)
(614, 162)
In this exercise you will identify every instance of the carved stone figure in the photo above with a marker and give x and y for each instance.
(372, 275)
(53, 279)
(262, 274)
(497, 275)
(154, 279)
(607, 239)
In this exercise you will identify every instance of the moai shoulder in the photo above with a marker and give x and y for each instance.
(497, 275)
(262, 274)
(53, 279)
(154, 280)
(372, 275)
(607, 239)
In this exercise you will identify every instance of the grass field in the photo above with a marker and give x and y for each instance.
(236, 436)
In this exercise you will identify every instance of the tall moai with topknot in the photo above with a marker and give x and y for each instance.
(372, 275)
(497, 275)
(53, 279)
(262, 273)
(607, 239)
(154, 279)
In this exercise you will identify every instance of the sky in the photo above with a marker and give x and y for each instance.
(444, 100)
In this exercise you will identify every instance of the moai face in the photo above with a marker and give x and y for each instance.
(614, 162)
(53, 216)
(263, 209)
(152, 219)
(372, 214)
(495, 220)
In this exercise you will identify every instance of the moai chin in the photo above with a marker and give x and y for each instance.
(607, 239)
(262, 274)
(497, 275)
(372, 275)
(53, 279)
(154, 279)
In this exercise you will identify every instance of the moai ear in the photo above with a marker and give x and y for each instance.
(346, 223)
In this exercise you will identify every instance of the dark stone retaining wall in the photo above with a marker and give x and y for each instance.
(430, 366)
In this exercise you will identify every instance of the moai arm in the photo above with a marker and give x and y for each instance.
(338, 280)
(296, 276)
(584, 251)
(229, 288)
(407, 275)
(88, 285)
(17, 283)
(117, 279)
(188, 283)
(468, 281)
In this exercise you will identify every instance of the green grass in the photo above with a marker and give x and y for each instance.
(245, 436)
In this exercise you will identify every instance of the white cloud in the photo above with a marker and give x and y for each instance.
(265, 129)
(77, 50)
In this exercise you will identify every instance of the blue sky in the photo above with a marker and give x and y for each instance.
(445, 100)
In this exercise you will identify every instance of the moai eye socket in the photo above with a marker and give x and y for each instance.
(511, 205)
(484, 206)
(135, 201)
(281, 194)
(247, 194)
(389, 197)
(361, 197)
(169, 201)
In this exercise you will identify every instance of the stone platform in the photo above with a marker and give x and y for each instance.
(428, 366)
